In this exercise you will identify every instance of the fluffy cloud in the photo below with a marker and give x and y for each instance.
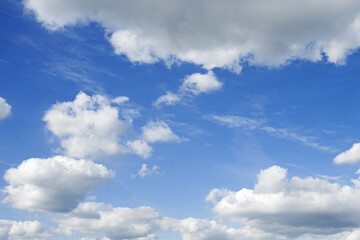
(54, 184)
(13, 230)
(214, 33)
(115, 223)
(141, 148)
(158, 131)
(5, 108)
(203, 229)
(350, 156)
(291, 207)
(152, 132)
(192, 85)
(145, 171)
(88, 126)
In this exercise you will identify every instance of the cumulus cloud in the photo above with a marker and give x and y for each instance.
(192, 85)
(215, 34)
(144, 171)
(89, 126)
(114, 223)
(141, 148)
(350, 156)
(152, 132)
(254, 124)
(158, 131)
(13, 230)
(5, 108)
(55, 184)
(291, 207)
(204, 229)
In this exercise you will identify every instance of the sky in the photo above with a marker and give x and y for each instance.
(192, 120)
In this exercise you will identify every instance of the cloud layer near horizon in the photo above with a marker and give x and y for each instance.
(214, 33)
(322, 207)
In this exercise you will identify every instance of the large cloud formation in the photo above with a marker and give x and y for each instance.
(291, 207)
(5, 108)
(55, 184)
(215, 33)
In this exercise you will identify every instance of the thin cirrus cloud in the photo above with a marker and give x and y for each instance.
(350, 156)
(257, 32)
(254, 124)
(322, 208)
(192, 85)
(56, 184)
(5, 109)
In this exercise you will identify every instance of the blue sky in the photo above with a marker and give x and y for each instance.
(190, 121)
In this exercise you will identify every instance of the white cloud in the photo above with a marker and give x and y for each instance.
(192, 85)
(140, 147)
(350, 156)
(254, 124)
(89, 126)
(355, 235)
(152, 132)
(158, 131)
(55, 184)
(203, 229)
(31, 230)
(115, 223)
(200, 83)
(291, 207)
(145, 171)
(215, 34)
(168, 99)
(120, 100)
(5, 108)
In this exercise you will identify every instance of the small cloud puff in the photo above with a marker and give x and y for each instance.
(5, 109)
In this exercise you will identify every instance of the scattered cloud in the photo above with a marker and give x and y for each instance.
(254, 32)
(158, 131)
(322, 207)
(141, 148)
(350, 156)
(192, 85)
(89, 126)
(114, 223)
(146, 172)
(200, 83)
(31, 230)
(55, 184)
(254, 124)
(5, 109)
(152, 132)
(168, 99)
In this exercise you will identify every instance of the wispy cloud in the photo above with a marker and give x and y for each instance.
(256, 124)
